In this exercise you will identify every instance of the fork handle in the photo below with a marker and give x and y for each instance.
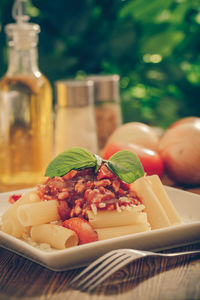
(181, 253)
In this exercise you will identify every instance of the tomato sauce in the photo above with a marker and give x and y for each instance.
(82, 190)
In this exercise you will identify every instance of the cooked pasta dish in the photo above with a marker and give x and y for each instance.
(87, 205)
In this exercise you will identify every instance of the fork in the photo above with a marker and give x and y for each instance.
(111, 262)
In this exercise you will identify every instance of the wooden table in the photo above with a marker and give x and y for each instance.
(149, 278)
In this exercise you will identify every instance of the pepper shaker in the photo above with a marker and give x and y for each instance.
(107, 106)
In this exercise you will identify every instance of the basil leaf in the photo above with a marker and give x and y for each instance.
(73, 159)
(126, 165)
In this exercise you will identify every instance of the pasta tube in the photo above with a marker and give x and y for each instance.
(14, 227)
(29, 197)
(155, 202)
(10, 222)
(111, 232)
(117, 218)
(164, 200)
(38, 213)
(56, 236)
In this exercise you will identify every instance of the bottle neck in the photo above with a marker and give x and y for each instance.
(23, 62)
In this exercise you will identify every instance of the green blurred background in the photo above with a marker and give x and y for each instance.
(154, 45)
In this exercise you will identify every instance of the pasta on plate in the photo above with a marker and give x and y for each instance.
(84, 206)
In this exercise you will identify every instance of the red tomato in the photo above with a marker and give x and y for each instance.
(104, 172)
(83, 229)
(13, 198)
(150, 160)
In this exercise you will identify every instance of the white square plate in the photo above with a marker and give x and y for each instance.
(187, 204)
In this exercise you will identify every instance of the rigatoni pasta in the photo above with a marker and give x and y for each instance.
(163, 197)
(131, 216)
(160, 211)
(28, 197)
(112, 232)
(10, 222)
(38, 213)
(109, 224)
(56, 236)
(13, 227)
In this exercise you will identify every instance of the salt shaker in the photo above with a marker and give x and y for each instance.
(107, 106)
(75, 123)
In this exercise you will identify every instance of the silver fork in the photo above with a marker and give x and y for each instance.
(111, 262)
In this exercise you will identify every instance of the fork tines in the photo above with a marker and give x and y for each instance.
(106, 265)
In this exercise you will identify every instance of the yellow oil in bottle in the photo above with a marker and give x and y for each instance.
(26, 130)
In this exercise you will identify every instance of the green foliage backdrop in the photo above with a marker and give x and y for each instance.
(153, 45)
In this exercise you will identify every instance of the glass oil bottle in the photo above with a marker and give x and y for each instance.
(26, 125)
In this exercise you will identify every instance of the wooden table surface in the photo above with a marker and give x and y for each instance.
(149, 278)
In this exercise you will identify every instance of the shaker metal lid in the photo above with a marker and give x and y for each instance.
(74, 93)
(106, 87)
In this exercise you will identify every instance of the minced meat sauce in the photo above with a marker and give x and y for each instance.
(82, 190)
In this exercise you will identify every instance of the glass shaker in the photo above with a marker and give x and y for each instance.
(75, 123)
(26, 125)
(107, 106)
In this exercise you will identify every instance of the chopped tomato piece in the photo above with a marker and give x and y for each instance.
(83, 229)
(13, 198)
(104, 172)
(70, 175)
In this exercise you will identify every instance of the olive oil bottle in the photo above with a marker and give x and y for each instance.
(26, 125)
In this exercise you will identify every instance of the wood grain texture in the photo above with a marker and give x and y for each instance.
(149, 278)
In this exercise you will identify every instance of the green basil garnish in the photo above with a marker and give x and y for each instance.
(73, 159)
(124, 164)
